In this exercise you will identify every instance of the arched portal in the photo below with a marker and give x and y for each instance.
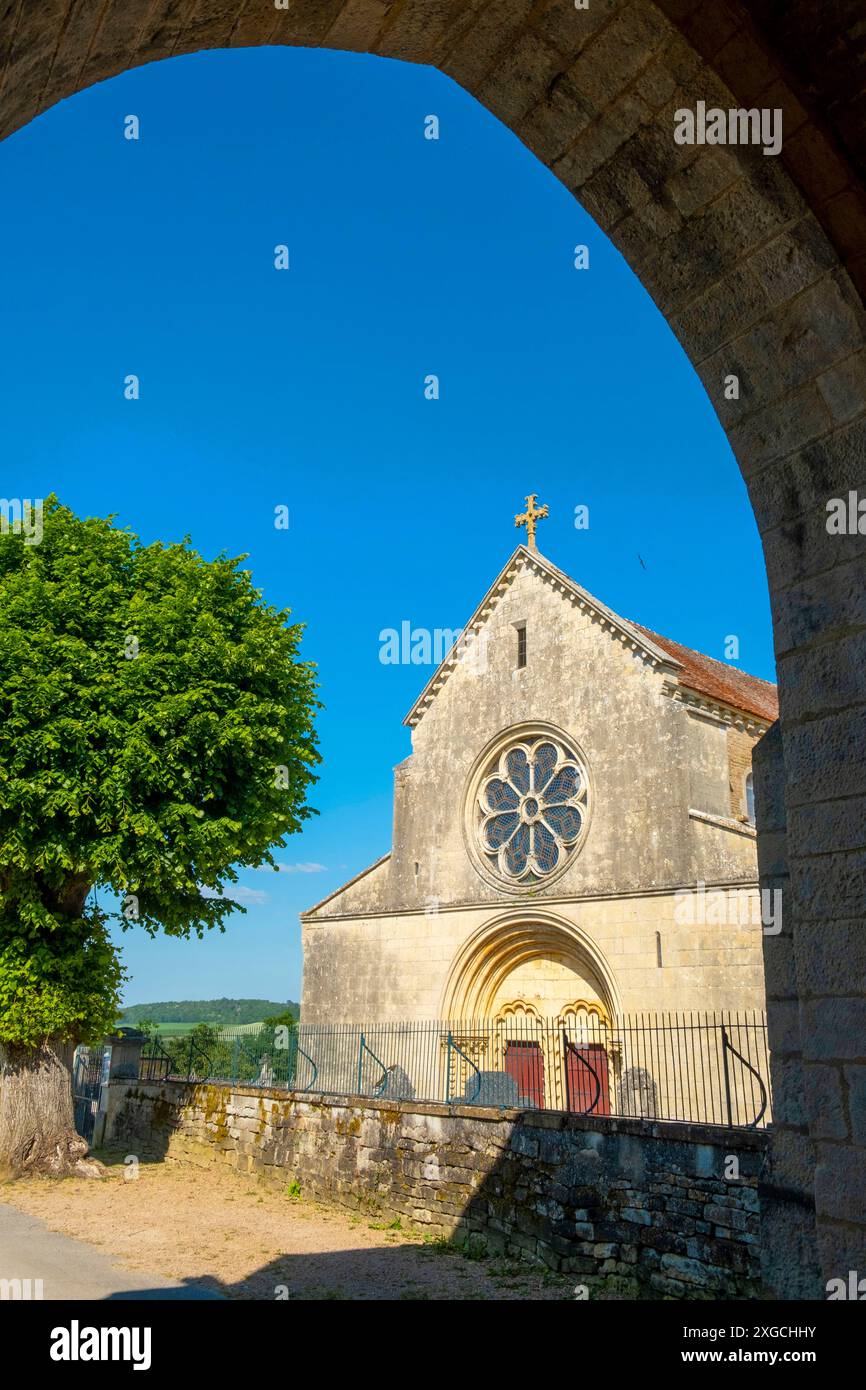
(759, 265)
(543, 994)
(534, 960)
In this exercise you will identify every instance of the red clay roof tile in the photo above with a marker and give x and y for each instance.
(718, 680)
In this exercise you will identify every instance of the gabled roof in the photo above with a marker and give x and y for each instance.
(687, 668)
(720, 681)
(524, 558)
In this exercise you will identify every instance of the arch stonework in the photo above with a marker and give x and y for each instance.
(758, 264)
(485, 973)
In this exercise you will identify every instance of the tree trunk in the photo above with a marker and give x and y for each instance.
(37, 1130)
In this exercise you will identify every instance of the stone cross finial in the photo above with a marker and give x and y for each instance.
(530, 517)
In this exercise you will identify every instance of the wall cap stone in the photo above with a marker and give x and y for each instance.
(675, 1131)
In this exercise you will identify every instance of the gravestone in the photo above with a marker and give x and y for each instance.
(636, 1094)
(397, 1085)
(491, 1088)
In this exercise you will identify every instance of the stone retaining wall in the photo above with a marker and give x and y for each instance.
(640, 1207)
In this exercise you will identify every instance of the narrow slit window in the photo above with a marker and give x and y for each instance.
(750, 799)
(521, 646)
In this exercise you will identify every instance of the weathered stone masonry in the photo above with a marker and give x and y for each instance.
(759, 266)
(642, 1208)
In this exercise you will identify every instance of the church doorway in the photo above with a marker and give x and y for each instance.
(587, 1078)
(565, 1062)
(524, 1063)
(543, 1000)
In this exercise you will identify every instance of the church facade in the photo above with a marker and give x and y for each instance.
(573, 830)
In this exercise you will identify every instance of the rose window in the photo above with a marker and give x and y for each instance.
(532, 808)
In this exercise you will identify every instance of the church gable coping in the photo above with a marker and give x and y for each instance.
(344, 887)
(523, 560)
(691, 677)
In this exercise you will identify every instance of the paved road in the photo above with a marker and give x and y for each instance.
(71, 1268)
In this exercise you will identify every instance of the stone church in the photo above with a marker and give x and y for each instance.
(576, 805)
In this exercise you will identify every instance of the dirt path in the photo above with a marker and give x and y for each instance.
(222, 1232)
(45, 1264)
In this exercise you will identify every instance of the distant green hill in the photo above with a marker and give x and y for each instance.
(217, 1011)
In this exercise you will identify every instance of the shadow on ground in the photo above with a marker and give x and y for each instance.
(429, 1269)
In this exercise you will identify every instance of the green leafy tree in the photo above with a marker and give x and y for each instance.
(286, 1019)
(156, 733)
(277, 1043)
(149, 1026)
(223, 1011)
(200, 1052)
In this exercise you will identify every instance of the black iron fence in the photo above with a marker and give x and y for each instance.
(89, 1070)
(709, 1068)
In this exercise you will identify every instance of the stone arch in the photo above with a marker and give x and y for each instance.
(759, 266)
(588, 1017)
(520, 1009)
(484, 979)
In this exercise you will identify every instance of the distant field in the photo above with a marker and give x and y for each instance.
(180, 1030)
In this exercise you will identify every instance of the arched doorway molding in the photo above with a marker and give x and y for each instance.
(497, 949)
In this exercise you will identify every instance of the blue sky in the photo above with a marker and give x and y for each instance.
(306, 388)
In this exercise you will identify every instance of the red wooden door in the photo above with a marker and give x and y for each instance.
(525, 1062)
(581, 1082)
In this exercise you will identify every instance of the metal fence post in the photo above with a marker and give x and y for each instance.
(727, 1074)
(566, 1069)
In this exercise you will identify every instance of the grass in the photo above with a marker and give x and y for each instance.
(175, 1030)
(439, 1244)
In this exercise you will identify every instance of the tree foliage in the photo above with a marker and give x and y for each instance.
(287, 1018)
(218, 1011)
(156, 733)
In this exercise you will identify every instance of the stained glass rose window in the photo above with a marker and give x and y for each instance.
(532, 809)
